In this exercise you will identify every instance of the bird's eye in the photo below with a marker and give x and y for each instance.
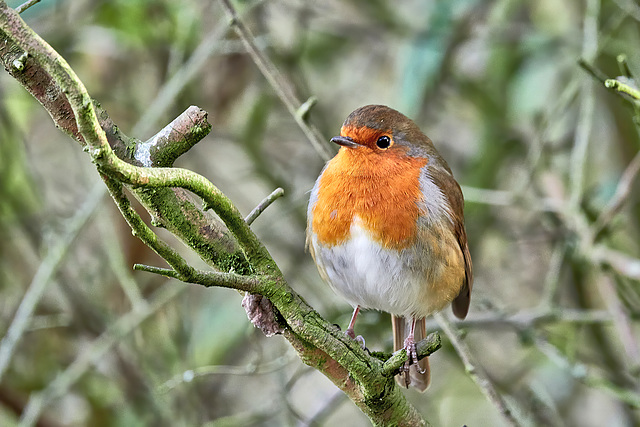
(383, 142)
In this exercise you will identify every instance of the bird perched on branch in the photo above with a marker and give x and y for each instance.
(386, 228)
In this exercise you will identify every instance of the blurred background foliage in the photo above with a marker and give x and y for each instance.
(494, 83)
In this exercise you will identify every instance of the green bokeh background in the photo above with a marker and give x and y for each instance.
(495, 84)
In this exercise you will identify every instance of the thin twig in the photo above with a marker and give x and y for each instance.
(622, 263)
(116, 258)
(166, 272)
(619, 197)
(26, 5)
(476, 372)
(580, 372)
(552, 278)
(623, 88)
(143, 232)
(305, 108)
(621, 321)
(278, 82)
(264, 204)
(629, 8)
(424, 348)
(207, 278)
(249, 369)
(48, 268)
(179, 80)
(594, 72)
(587, 106)
(328, 408)
(180, 268)
(623, 64)
(528, 319)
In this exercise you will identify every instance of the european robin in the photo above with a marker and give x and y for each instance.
(386, 228)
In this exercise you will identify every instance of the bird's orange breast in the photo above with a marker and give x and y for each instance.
(381, 189)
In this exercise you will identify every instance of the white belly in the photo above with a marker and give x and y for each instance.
(368, 275)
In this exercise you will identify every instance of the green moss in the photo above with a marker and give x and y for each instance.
(182, 218)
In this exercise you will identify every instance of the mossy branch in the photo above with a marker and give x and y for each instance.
(24, 58)
(623, 88)
(367, 380)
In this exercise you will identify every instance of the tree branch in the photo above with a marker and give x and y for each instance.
(319, 344)
(623, 88)
(476, 373)
(263, 205)
(280, 85)
(170, 208)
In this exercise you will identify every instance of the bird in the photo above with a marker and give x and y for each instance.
(385, 227)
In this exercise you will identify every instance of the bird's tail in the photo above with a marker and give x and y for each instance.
(401, 329)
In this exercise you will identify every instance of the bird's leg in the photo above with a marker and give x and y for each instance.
(412, 352)
(352, 323)
(349, 332)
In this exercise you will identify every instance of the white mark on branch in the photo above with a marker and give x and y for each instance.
(19, 62)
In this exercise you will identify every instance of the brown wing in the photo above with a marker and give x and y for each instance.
(460, 304)
(451, 189)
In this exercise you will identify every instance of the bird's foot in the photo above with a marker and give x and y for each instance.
(351, 334)
(412, 359)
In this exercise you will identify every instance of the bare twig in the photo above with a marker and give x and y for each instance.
(249, 369)
(143, 232)
(179, 80)
(552, 278)
(621, 321)
(26, 5)
(263, 205)
(623, 88)
(583, 130)
(581, 373)
(622, 263)
(620, 196)
(629, 7)
(623, 64)
(528, 319)
(278, 82)
(581, 144)
(327, 409)
(594, 72)
(116, 258)
(476, 372)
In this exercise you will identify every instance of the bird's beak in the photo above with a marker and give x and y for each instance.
(345, 141)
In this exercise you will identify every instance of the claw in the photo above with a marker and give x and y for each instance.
(349, 332)
(412, 359)
(412, 351)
